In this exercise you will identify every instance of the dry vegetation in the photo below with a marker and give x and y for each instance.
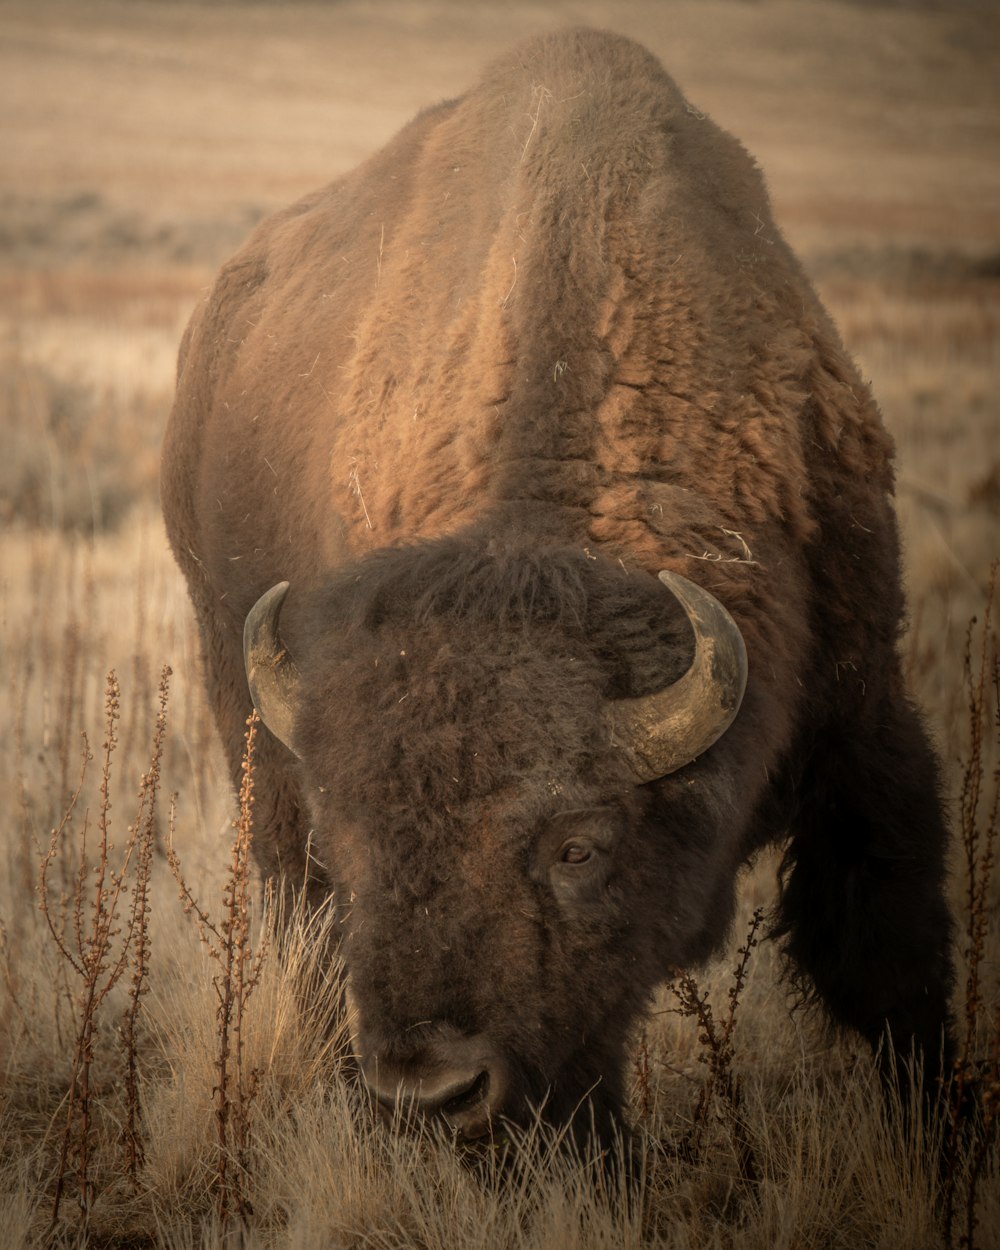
(163, 1079)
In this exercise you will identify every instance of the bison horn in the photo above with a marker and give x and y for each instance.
(661, 732)
(271, 673)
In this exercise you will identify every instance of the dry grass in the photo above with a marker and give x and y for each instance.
(197, 1101)
(800, 1156)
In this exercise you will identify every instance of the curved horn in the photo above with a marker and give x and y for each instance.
(660, 733)
(271, 673)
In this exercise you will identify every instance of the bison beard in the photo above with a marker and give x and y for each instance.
(517, 760)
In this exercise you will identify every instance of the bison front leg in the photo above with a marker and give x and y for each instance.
(863, 905)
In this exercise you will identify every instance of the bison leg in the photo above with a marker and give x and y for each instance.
(863, 906)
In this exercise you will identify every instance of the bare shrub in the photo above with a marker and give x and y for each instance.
(138, 941)
(228, 943)
(975, 1101)
(96, 943)
(721, 1092)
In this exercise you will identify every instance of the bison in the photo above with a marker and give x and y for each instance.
(522, 482)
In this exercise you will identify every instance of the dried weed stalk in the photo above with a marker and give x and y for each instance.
(228, 943)
(975, 1095)
(722, 1087)
(97, 944)
(137, 937)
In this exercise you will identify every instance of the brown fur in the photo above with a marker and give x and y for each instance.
(550, 337)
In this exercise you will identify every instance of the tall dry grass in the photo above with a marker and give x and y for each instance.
(147, 1099)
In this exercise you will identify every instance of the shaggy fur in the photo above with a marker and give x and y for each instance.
(467, 400)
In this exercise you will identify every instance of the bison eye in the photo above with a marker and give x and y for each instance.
(574, 853)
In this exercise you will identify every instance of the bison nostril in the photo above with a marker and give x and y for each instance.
(446, 1093)
(476, 1093)
(459, 1081)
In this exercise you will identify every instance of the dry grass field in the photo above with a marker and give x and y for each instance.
(140, 141)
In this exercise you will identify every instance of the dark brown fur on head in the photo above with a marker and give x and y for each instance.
(453, 738)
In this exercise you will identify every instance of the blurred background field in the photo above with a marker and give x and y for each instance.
(140, 143)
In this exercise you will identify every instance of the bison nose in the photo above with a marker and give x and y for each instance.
(461, 1082)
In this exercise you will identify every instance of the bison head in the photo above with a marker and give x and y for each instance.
(476, 728)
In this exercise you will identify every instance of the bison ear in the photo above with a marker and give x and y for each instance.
(274, 681)
(661, 732)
